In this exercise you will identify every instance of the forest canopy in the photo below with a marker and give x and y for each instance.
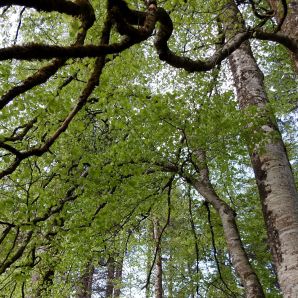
(148, 148)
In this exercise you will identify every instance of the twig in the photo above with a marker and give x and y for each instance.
(19, 25)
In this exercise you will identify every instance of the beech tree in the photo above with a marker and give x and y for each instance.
(130, 132)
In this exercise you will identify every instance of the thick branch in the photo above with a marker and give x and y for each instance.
(74, 9)
(191, 65)
(41, 51)
(10, 148)
(286, 41)
(44, 73)
(136, 33)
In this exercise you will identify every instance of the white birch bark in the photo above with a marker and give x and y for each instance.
(270, 162)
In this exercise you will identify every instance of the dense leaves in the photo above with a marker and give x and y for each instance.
(101, 143)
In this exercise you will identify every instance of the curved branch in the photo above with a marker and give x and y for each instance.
(286, 41)
(42, 51)
(267, 15)
(191, 65)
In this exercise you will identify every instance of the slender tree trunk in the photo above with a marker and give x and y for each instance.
(290, 24)
(149, 258)
(85, 286)
(118, 277)
(270, 162)
(110, 278)
(249, 279)
(158, 265)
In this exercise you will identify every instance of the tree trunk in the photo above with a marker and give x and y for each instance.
(110, 278)
(85, 286)
(118, 277)
(290, 24)
(158, 265)
(249, 279)
(270, 162)
(149, 257)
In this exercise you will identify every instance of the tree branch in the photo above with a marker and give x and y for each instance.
(44, 73)
(75, 9)
(92, 83)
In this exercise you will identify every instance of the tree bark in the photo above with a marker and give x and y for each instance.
(270, 162)
(249, 279)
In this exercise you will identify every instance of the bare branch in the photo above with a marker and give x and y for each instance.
(19, 25)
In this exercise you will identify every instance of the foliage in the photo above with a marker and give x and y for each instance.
(94, 193)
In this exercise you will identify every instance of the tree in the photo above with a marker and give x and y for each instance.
(270, 162)
(77, 174)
